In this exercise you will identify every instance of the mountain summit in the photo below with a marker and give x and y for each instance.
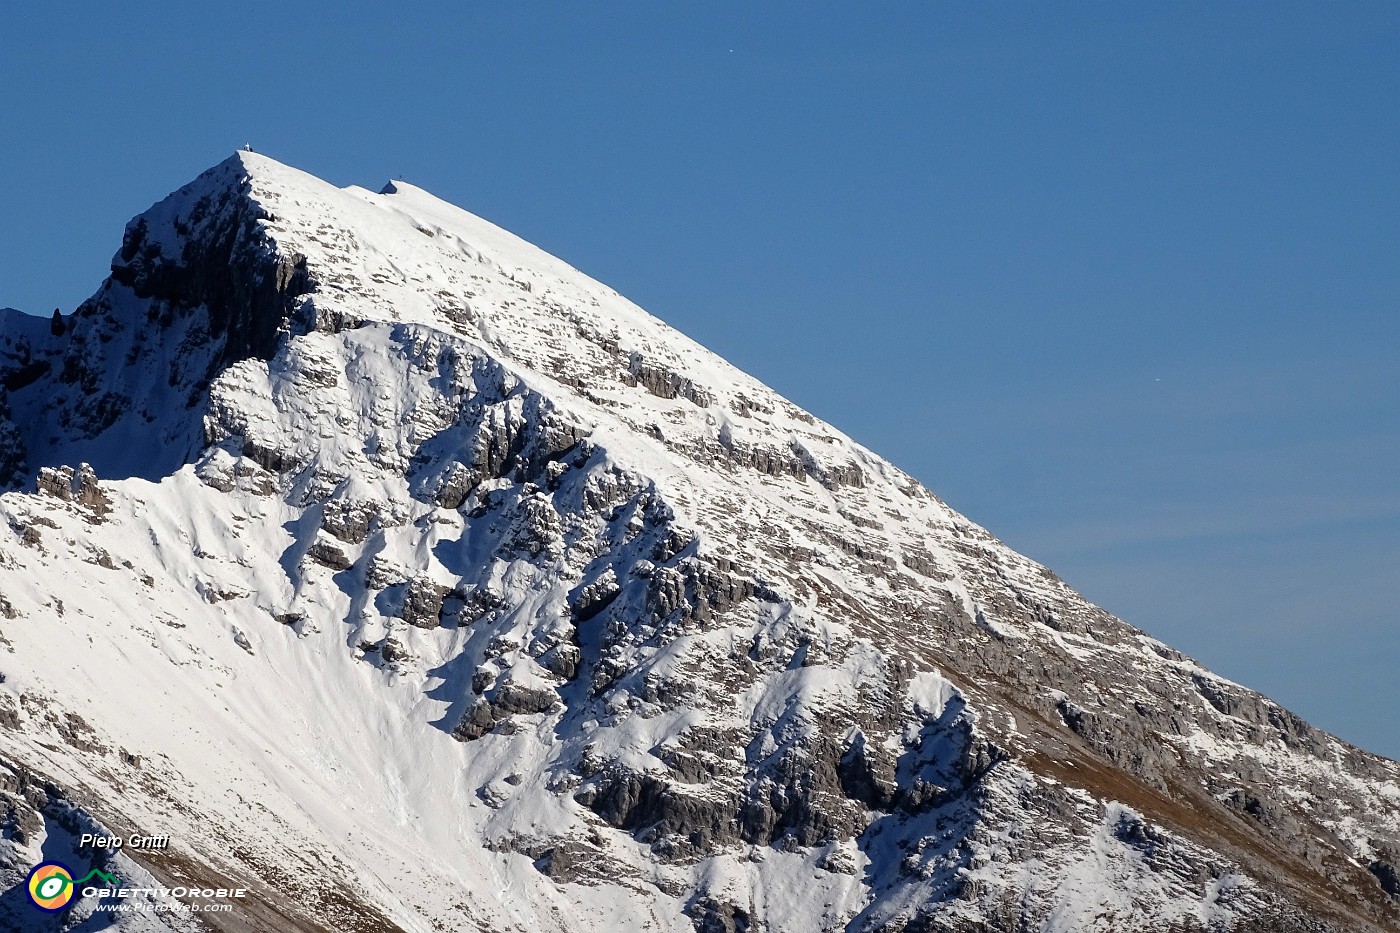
(398, 573)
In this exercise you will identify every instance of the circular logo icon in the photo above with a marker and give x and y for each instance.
(50, 886)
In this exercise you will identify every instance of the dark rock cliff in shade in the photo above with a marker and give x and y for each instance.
(196, 287)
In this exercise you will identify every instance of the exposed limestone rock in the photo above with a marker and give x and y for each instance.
(248, 287)
(592, 598)
(505, 701)
(348, 521)
(385, 573)
(422, 606)
(663, 382)
(77, 486)
(392, 649)
(696, 592)
(328, 554)
(716, 916)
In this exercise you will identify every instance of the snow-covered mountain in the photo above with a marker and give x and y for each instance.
(414, 581)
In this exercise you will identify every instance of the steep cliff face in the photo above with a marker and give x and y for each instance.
(417, 567)
(196, 286)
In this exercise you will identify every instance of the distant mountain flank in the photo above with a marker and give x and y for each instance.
(408, 579)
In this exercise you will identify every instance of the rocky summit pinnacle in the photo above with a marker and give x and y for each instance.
(407, 579)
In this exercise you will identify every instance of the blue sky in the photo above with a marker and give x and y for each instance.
(1118, 281)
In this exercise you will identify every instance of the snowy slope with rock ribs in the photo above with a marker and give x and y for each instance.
(408, 576)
